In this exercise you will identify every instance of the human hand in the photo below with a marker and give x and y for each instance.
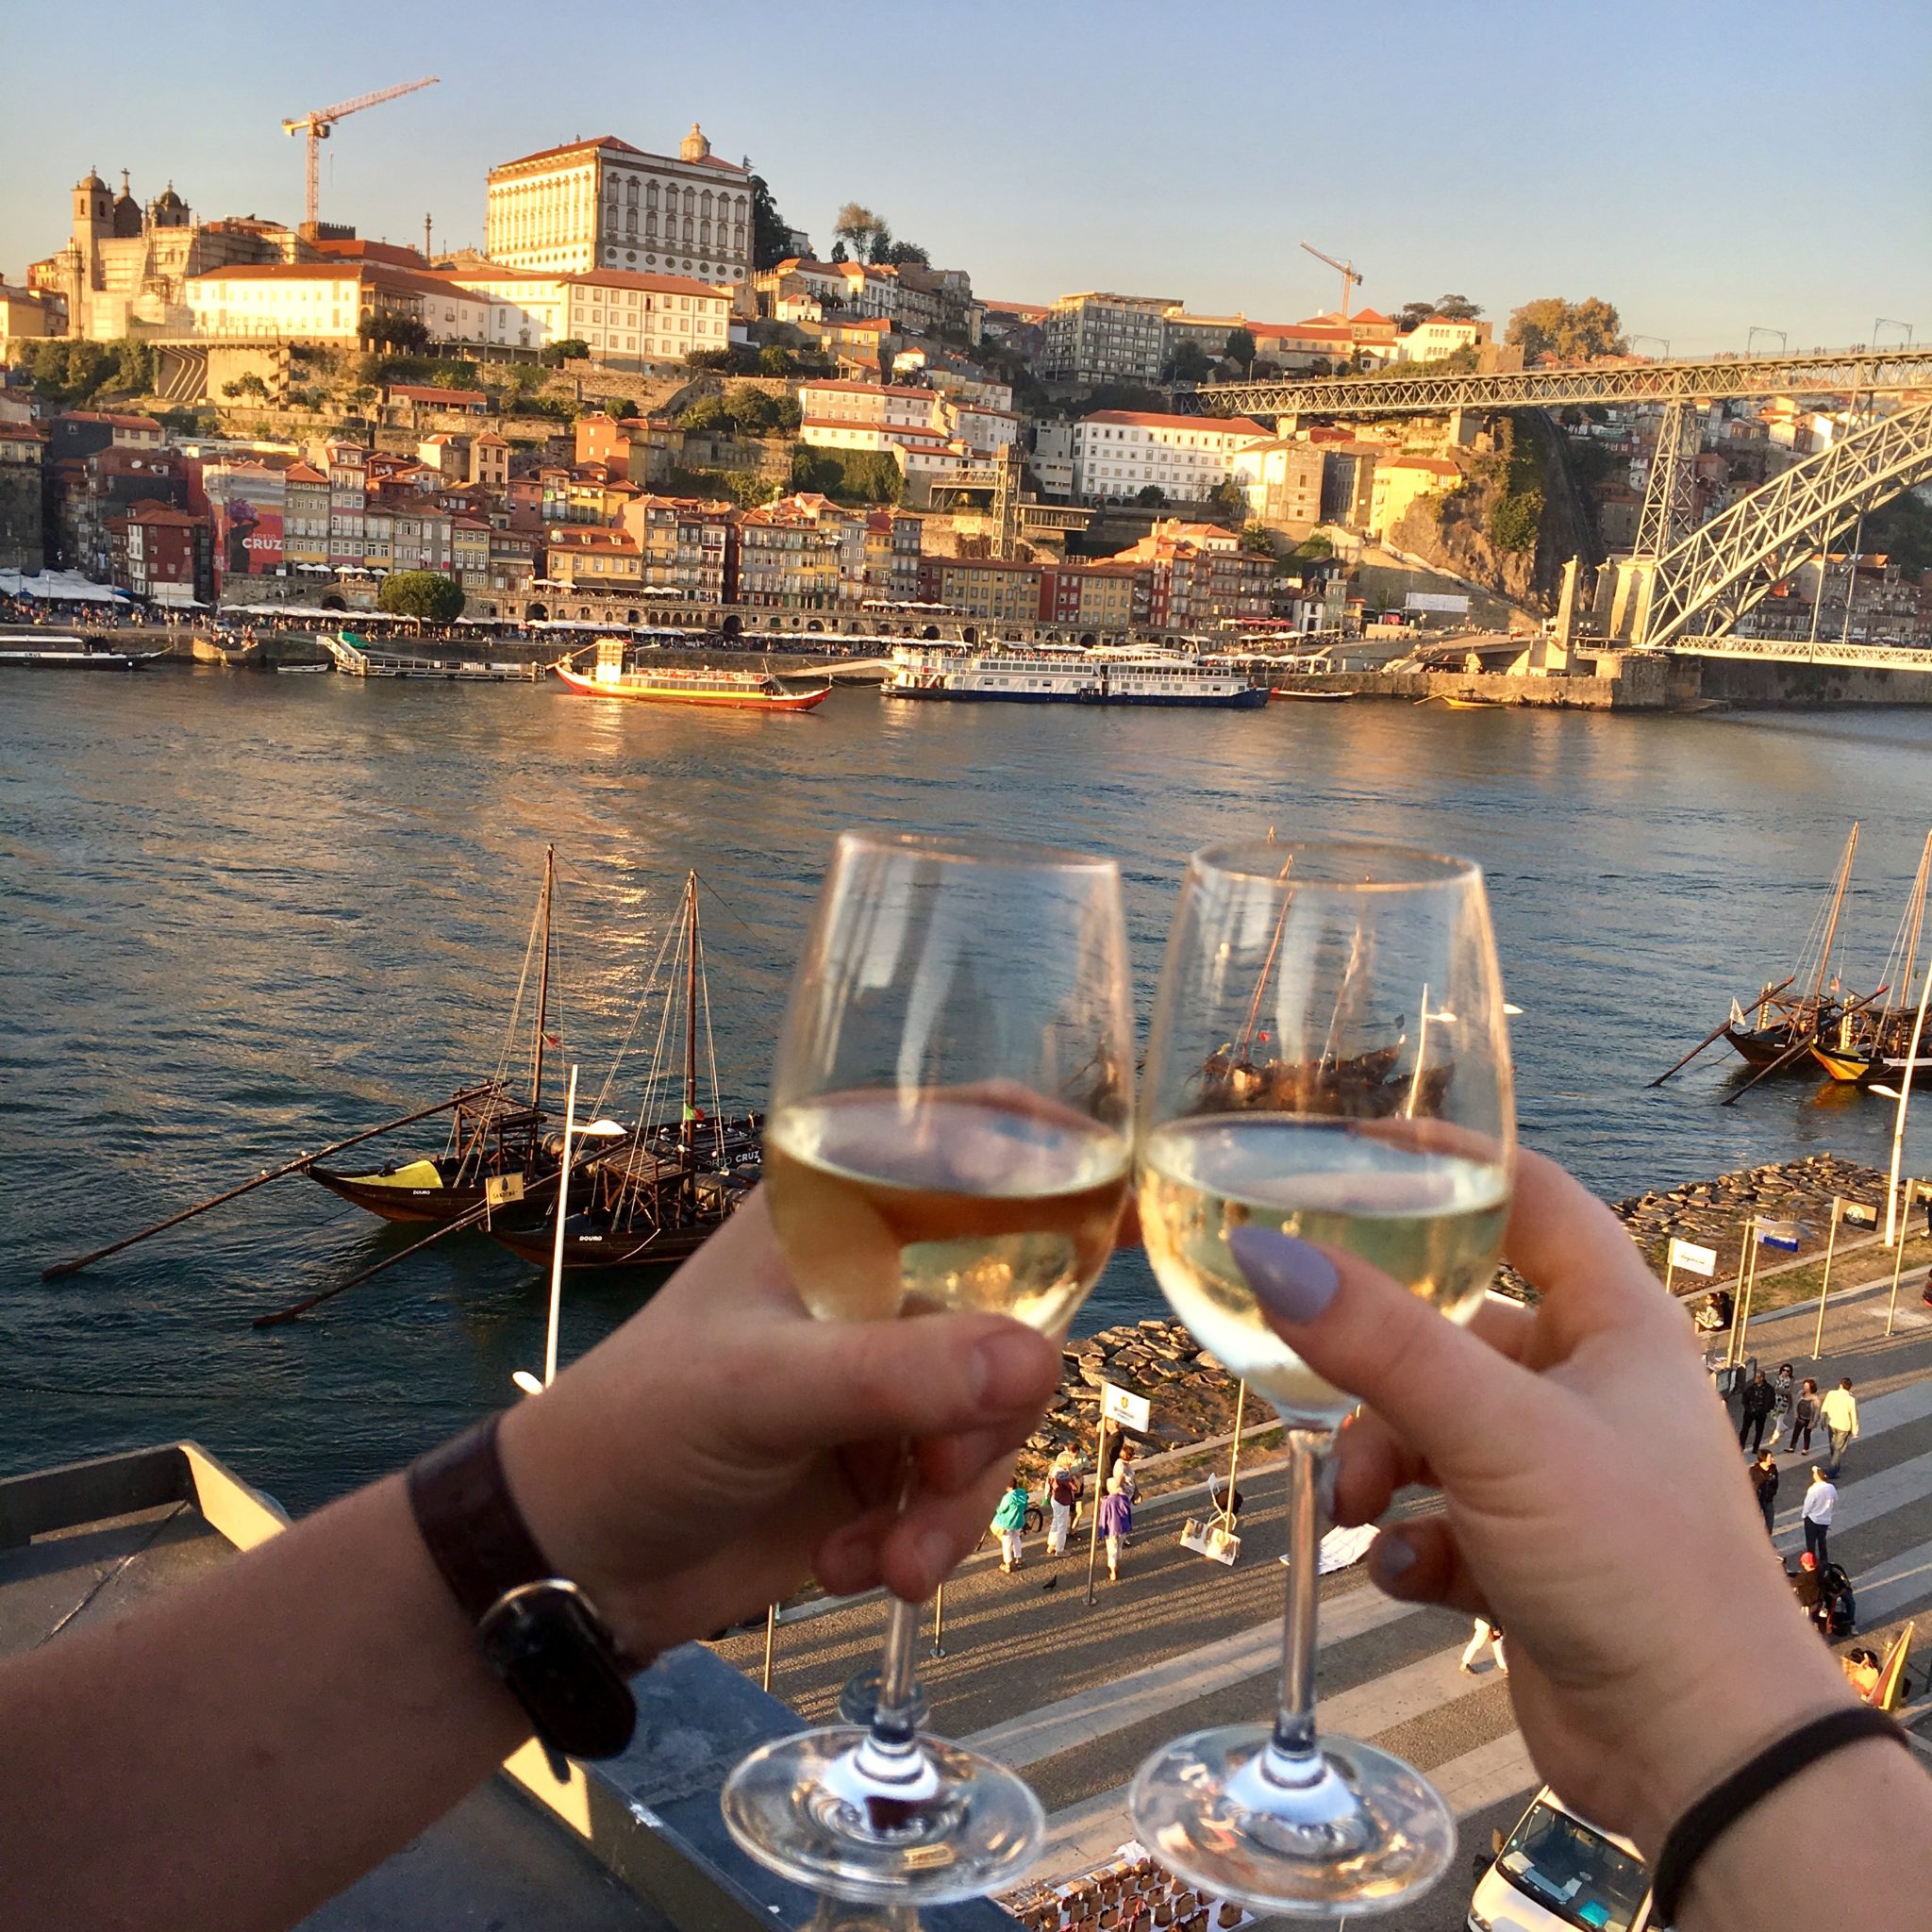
(1594, 1504)
(723, 1445)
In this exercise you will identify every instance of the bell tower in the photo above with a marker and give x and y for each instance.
(694, 146)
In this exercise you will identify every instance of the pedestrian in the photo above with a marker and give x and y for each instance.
(1485, 1632)
(1804, 1418)
(1840, 1413)
(1807, 1587)
(1009, 1520)
(1821, 1499)
(1063, 1491)
(1130, 1484)
(1710, 1317)
(1116, 1523)
(1764, 1483)
(1784, 1386)
(1753, 1410)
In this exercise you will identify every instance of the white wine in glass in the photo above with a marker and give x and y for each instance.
(949, 1129)
(1328, 1060)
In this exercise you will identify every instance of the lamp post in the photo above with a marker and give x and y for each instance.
(528, 1383)
(1663, 341)
(1784, 341)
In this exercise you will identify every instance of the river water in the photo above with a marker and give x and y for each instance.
(243, 915)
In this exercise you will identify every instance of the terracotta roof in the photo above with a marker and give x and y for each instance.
(301, 472)
(112, 420)
(1434, 466)
(569, 147)
(661, 285)
(1144, 419)
(855, 389)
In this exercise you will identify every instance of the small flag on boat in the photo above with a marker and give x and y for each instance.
(500, 1189)
(692, 1113)
(553, 1040)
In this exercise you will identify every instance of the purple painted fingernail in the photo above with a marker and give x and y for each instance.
(1292, 1279)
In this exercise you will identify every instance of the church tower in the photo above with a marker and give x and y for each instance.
(94, 221)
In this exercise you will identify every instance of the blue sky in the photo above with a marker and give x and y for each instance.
(1704, 166)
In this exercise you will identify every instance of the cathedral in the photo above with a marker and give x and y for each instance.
(122, 270)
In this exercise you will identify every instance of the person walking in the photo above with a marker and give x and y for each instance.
(1840, 1414)
(1764, 1484)
(1062, 1499)
(1821, 1499)
(1485, 1632)
(1804, 1418)
(1754, 1410)
(1783, 1391)
(1009, 1520)
(1116, 1522)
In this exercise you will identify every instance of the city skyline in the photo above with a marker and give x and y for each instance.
(1523, 159)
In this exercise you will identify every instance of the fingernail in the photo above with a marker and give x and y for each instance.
(1009, 1367)
(932, 1550)
(1392, 1557)
(1292, 1279)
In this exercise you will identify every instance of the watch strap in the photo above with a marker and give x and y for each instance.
(470, 1521)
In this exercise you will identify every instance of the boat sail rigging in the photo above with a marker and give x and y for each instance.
(1876, 1039)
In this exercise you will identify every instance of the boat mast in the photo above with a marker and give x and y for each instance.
(1915, 914)
(542, 982)
(691, 1010)
(1838, 901)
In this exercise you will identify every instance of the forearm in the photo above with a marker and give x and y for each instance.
(240, 1749)
(1845, 1843)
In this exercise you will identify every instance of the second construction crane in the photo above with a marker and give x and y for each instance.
(1347, 270)
(321, 124)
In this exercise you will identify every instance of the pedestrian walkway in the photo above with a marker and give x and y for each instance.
(1077, 1696)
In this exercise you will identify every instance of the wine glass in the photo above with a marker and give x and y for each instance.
(1328, 1058)
(949, 1129)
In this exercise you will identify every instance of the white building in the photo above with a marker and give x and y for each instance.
(1119, 453)
(604, 204)
(622, 318)
(1439, 336)
(884, 405)
(326, 302)
(981, 429)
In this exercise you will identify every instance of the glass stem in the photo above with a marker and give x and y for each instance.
(892, 1722)
(1295, 1718)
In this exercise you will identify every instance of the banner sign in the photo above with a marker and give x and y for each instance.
(1778, 1234)
(1123, 1406)
(1693, 1259)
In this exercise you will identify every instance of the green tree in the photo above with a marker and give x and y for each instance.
(1458, 309)
(1189, 362)
(1552, 328)
(1413, 314)
(775, 360)
(901, 254)
(1239, 347)
(569, 349)
(771, 233)
(425, 594)
(136, 370)
(1255, 539)
(863, 232)
(708, 416)
(1514, 519)
(252, 385)
(626, 409)
(1152, 496)
(1229, 494)
(759, 412)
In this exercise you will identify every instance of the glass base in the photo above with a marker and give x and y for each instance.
(1353, 1832)
(829, 1810)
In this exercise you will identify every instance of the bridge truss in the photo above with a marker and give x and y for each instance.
(1821, 373)
(1712, 576)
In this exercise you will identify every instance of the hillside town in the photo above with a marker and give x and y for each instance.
(646, 390)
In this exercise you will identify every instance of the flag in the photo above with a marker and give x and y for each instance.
(1884, 1695)
(553, 1040)
(1779, 1234)
(692, 1113)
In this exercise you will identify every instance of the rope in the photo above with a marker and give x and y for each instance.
(630, 1033)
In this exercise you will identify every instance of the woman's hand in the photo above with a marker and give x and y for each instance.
(723, 1445)
(1595, 1506)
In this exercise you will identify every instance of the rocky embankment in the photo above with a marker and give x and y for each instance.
(1194, 1397)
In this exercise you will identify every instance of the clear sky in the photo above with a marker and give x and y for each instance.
(1705, 166)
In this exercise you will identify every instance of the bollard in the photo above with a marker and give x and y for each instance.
(1093, 1528)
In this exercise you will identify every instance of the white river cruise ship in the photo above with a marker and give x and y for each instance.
(1102, 675)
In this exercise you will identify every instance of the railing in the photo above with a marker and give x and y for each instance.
(1788, 651)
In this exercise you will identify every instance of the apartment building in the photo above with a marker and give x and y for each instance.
(1095, 337)
(1119, 453)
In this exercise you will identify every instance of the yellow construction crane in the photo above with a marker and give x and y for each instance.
(1347, 270)
(317, 126)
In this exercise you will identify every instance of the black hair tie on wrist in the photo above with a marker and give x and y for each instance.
(1719, 1809)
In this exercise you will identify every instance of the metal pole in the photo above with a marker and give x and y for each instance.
(1738, 1297)
(770, 1631)
(939, 1620)
(1898, 1125)
(1750, 1295)
(1093, 1528)
(1669, 1267)
(1898, 1263)
(1838, 1209)
(1234, 1459)
(569, 1121)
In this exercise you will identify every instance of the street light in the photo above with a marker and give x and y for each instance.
(1887, 321)
(530, 1384)
(1784, 341)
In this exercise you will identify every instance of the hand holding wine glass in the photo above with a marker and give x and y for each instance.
(949, 1130)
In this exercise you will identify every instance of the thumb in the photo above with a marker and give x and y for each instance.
(823, 1384)
(1452, 1396)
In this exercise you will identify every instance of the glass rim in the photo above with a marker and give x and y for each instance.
(973, 848)
(1261, 859)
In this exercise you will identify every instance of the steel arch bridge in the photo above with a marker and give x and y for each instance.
(1707, 581)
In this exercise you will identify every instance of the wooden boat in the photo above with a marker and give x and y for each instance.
(750, 691)
(235, 654)
(656, 1198)
(1875, 1041)
(1778, 1029)
(496, 1150)
(1289, 695)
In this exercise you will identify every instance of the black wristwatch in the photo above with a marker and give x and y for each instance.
(538, 1631)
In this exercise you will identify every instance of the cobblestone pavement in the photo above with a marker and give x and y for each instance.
(1077, 1696)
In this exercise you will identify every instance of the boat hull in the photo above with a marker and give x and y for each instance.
(663, 695)
(74, 660)
(665, 1247)
(1847, 1068)
(414, 1205)
(1761, 1050)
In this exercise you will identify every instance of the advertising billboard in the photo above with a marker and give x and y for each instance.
(248, 501)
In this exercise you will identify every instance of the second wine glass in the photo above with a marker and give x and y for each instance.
(1328, 1060)
(949, 1129)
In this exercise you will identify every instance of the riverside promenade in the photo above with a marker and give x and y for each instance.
(1075, 1697)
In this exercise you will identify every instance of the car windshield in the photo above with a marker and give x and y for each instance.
(1571, 1871)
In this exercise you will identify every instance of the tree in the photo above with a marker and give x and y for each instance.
(569, 349)
(1552, 328)
(1458, 309)
(775, 360)
(1413, 314)
(1152, 496)
(1255, 539)
(839, 253)
(1189, 362)
(425, 594)
(626, 409)
(902, 253)
(1239, 347)
(1229, 494)
(248, 384)
(761, 412)
(1515, 520)
(770, 234)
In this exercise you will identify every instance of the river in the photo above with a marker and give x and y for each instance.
(242, 915)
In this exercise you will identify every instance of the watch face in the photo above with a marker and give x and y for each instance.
(548, 1644)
